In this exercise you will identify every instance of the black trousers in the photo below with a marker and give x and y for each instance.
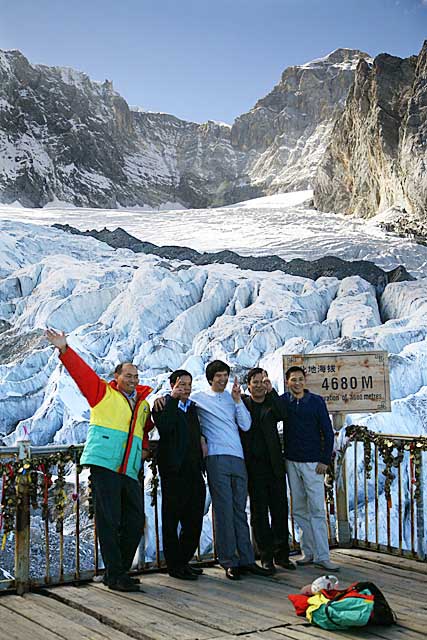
(119, 513)
(268, 501)
(183, 501)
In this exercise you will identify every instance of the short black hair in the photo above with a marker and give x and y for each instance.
(292, 370)
(215, 367)
(254, 372)
(178, 374)
(120, 366)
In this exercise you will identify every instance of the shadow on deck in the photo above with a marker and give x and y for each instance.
(214, 607)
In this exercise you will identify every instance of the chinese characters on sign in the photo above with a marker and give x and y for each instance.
(353, 382)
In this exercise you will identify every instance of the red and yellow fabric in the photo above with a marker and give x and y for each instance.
(354, 609)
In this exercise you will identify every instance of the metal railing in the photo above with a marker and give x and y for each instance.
(40, 488)
(47, 530)
(385, 478)
(48, 535)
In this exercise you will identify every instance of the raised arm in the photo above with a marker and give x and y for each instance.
(242, 415)
(90, 384)
(166, 412)
(275, 402)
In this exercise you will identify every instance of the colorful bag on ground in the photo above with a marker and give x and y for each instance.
(361, 604)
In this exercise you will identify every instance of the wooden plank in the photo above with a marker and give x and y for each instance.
(257, 635)
(416, 622)
(130, 616)
(176, 601)
(300, 633)
(310, 632)
(385, 577)
(244, 597)
(397, 633)
(289, 580)
(16, 627)
(372, 565)
(405, 564)
(390, 580)
(68, 623)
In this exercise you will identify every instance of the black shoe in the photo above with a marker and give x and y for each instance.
(105, 581)
(269, 566)
(255, 569)
(124, 583)
(233, 573)
(189, 571)
(197, 571)
(182, 574)
(285, 563)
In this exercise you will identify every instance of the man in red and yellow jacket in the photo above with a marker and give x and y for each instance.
(116, 445)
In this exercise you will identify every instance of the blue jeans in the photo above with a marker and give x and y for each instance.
(228, 485)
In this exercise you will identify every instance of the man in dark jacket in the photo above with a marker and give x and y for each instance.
(266, 472)
(180, 467)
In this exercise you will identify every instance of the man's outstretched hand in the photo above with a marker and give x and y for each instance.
(236, 392)
(267, 384)
(57, 338)
(178, 392)
(321, 468)
(159, 403)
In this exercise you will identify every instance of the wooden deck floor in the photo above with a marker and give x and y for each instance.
(213, 607)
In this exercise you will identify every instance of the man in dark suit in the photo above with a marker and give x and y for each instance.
(266, 472)
(180, 466)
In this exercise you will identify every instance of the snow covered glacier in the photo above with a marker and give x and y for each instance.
(162, 314)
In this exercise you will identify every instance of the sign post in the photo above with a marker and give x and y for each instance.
(349, 382)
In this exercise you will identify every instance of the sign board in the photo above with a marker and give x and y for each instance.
(352, 382)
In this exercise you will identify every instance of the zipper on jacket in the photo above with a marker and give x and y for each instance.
(129, 441)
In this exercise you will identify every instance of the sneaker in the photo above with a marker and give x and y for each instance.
(304, 561)
(327, 564)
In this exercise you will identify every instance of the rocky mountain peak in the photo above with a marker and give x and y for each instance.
(67, 137)
(378, 149)
(64, 136)
(338, 58)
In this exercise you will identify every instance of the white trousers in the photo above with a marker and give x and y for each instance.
(308, 505)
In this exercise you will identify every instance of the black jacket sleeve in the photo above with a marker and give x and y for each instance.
(278, 407)
(167, 419)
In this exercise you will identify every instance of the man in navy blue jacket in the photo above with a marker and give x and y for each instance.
(308, 446)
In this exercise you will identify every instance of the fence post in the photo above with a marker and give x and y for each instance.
(421, 550)
(141, 546)
(22, 531)
(343, 525)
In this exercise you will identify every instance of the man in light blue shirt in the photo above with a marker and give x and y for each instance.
(221, 414)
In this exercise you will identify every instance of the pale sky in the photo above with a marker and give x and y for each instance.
(203, 59)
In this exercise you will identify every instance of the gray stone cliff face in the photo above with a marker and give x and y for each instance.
(377, 156)
(289, 129)
(65, 137)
